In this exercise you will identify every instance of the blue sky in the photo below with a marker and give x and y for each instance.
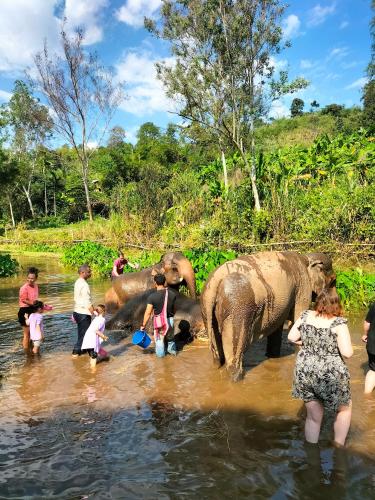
(330, 47)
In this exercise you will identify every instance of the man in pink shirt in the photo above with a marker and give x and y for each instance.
(28, 294)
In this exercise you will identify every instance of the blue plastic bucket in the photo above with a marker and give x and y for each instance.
(141, 338)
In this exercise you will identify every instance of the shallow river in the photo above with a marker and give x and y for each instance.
(142, 427)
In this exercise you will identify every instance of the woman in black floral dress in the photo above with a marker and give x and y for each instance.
(321, 378)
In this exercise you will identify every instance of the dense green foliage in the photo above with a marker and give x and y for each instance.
(169, 188)
(206, 261)
(8, 266)
(355, 288)
(99, 257)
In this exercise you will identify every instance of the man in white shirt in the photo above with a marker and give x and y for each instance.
(83, 308)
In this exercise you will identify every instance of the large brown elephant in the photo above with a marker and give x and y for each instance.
(250, 297)
(174, 265)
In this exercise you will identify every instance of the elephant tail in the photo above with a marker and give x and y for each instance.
(208, 305)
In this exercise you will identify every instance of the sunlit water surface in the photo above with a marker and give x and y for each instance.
(142, 427)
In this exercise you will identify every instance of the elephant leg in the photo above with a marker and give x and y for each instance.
(234, 337)
(274, 343)
(216, 344)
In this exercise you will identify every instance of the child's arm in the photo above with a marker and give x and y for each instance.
(101, 335)
(27, 321)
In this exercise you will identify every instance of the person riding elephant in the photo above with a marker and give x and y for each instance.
(174, 265)
(251, 297)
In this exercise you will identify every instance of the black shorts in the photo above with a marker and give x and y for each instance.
(92, 353)
(371, 361)
(21, 314)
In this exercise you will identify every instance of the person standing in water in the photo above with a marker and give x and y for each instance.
(321, 378)
(83, 308)
(120, 263)
(162, 305)
(35, 322)
(94, 336)
(28, 294)
(369, 338)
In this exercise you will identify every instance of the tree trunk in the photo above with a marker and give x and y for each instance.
(54, 201)
(253, 174)
(45, 198)
(27, 193)
(11, 211)
(86, 186)
(223, 161)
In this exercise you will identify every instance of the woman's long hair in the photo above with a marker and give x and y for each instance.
(328, 303)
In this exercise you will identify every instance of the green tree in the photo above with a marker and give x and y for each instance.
(30, 125)
(368, 95)
(296, 108)
(314, 105)
(8, 179)
(368, 99)
(333, 109)
(82, 95)
(224, 71)
(116, 137)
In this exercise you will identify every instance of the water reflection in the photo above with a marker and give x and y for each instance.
(141, 427)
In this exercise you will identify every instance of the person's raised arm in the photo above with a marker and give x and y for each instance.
(294, 335)
(147, 315)
(114, 269)
(343, 341)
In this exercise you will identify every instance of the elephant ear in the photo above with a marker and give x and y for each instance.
(316, 273)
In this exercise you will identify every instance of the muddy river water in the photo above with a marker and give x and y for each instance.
(143, 427)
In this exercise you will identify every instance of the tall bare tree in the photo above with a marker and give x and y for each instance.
(82, 96)
(224, 76)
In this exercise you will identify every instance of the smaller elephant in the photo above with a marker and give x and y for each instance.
(250, 297)
(174, 265)
(187, 319)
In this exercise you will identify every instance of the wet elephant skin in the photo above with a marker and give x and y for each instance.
(187, 319)
(174, 265)
(252, 296)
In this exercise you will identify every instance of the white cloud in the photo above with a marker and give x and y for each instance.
(92, 145)
(338, 52)
(306, 64)
(318, 14)
(145, 93)
(291, 26)
(24, 24)
(86, 13)
(5, 96)
(134, 11)
(279, 110)
(358, 84)
(344, 25)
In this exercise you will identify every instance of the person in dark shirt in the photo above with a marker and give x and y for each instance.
(369, 338)
(155, 304)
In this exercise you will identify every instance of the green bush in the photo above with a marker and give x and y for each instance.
(205, 261)
(355, 288)
(8, 266)
(99, 257)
